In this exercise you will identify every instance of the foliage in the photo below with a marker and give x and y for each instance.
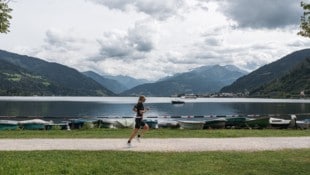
(290, 85)
(4, 16)
(112, 162)
(258, 80)
(305, 20)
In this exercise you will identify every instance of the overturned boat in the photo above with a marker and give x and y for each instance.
(191, 124)
(8, 125)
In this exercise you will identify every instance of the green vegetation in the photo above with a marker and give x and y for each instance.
(290, 85)
(305, 21)
(158, 133)
(284, 78)
(110, 162)
(119, 162)
(5, 16)
(21, 75)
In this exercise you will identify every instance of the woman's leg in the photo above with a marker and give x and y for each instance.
(145, 128)
(133, 134)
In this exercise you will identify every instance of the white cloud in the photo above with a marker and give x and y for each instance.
(132, 44)
(159, 9)
(152, 39)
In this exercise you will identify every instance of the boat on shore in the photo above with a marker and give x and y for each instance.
(106, 123)
(235, 122)
(34, 124)
(303, 124)
(215, 123)
(257, 123)
(8, 125)
(280, 123)
(168, 123)
(125, 123)
(153, 124)
(191, 124)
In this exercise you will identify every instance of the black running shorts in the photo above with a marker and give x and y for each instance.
(139, 123)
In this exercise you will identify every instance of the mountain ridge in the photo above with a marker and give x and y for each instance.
(267, 73)
(71, 81)
(205, 79)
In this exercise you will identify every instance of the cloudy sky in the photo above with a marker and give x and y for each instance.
(154, 38)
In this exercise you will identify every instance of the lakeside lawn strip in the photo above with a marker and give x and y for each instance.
(117, 162)
(153, 133)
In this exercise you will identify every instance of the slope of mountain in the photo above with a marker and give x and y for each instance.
(268, 73)
(127, 81)
(201, 80)
(290, 85)
(17, 81)
(67, 80)
(110, 84)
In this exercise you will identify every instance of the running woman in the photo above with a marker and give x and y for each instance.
(139, 109)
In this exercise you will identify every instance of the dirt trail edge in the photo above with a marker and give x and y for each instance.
(159, 145)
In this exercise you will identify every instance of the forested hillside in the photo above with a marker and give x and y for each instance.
(290, 85)
(23, 75)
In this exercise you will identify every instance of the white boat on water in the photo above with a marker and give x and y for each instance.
(188, 124)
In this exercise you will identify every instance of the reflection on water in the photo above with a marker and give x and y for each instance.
(63, 109)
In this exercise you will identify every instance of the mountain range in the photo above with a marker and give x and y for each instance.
(202, 80)
(116, 84)
(22, 75)
(256, 81)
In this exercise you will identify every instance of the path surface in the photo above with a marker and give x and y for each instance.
(162, 145)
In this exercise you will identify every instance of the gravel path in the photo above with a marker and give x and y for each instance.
(162, 145)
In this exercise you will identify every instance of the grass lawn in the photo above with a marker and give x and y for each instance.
(288, 162)
(283, 162)
(154, 133)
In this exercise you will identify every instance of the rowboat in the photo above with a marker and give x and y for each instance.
(235, 122)
(8, 125)
(125, 123)
(106, 123)
(34, 124)
(257, 123)
(303, 124)
(190, 124)
(216, 123)
(151, 123)
(168, 123)
(279, 123)
(58, 126)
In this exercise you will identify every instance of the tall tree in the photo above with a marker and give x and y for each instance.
(5, 16)
(305, 21)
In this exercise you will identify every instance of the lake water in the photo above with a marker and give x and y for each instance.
(76, 107)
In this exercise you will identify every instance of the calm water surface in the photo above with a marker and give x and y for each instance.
(75, 107)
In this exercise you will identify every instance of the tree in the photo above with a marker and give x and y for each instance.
(4, 16)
